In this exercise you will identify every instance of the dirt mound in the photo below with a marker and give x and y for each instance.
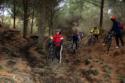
(16, 57)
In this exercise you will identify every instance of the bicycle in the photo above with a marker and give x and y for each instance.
(91, 40)
(54, 53)
(70, 46)
(51, 52)
(74, 47)
(108, 40)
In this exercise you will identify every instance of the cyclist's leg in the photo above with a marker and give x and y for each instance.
(121, 40)
(117, 40)
(95, 36)
(92, 40)
(73, 44)
(61, 48)
(76, 44)
(58, 52)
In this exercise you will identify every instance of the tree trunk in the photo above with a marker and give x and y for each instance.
(51, 22)
(14, 14)
(32, 23)
(25, 24)
(101, 13)
(3, 15)
(42, 24)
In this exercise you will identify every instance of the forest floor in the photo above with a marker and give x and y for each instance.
(22, 62)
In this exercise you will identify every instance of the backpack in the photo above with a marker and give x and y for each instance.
(121, 26)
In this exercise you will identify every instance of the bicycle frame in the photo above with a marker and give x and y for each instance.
(51, 52)
(91, 40)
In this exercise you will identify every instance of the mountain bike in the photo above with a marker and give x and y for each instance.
(108, 40)
(74, 47)
(91, 40)
(51, 52)
(55, 53)
(70, 47)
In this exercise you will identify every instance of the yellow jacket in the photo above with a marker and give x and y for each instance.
(95, 31)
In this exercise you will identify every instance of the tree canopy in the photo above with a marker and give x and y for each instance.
(51, 13)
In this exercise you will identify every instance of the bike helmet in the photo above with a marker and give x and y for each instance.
(113, 18)
(58, 31)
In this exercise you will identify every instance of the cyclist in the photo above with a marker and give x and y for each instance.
(117, 31)
(95, 32)
(75, 39)
(57, 40)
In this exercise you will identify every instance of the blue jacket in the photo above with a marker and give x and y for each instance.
(75, 37)
(116, 28)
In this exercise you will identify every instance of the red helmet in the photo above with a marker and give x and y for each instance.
(113, 18)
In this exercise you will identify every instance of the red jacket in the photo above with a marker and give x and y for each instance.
(57, 39)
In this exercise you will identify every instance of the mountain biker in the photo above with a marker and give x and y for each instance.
(117, 31)
(57, 40)
(95, 32)
(75, 39)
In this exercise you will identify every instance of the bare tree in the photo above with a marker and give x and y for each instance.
(42, 22)
(101, 13)
(25, 6)
(32, 22)
(14, 14)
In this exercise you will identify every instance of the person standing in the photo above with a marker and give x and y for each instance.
(57, 40)
(95, 32)
(75, 39)
(117, 31)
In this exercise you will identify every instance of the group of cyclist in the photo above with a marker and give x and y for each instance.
(57, 39)
(57, 42)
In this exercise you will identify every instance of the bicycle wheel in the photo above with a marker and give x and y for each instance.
(91, 40)
(51, 53)
(108, 41)
(108, 45)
